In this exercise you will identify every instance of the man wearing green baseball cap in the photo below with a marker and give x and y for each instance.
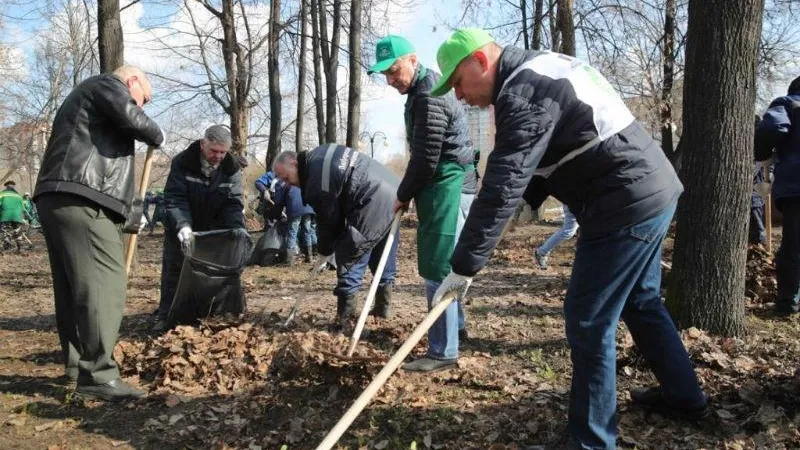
(562, 130)
(441, 179)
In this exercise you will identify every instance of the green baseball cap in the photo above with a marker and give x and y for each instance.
(387, 50)
(457, 47)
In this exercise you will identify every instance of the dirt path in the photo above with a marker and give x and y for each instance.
(254, 386)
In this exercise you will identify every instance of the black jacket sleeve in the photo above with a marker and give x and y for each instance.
(176, 198)
(774, 129)
(430, 122)
(523, 134)
(117, 104)
(233, 212)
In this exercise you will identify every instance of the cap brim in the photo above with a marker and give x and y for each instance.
(380, 66)
(442, 86)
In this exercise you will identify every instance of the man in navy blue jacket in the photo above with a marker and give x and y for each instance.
(778, 135)
(562, 130)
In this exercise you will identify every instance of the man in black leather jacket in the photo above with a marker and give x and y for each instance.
(84, 193)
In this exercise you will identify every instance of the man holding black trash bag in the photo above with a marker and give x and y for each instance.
(203, 193)
(352, 196)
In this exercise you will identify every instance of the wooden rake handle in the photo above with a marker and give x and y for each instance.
(377, 383)
(373, 287)
(148, 166)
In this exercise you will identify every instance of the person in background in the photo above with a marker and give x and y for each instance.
(441, 180)
(778, 134)
(300, 218)
(12, 217)
(567, 231)
(84, 194)
(562, 130)
(203, 193)
(352, 196)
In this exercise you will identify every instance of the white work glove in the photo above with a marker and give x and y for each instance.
(452, 284)
(322, 263)
(142, 223)
(185, 235)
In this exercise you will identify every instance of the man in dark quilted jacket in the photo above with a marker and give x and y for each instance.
(440, 178)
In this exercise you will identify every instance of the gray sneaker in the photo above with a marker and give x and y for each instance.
(541, 260)
(430, 365)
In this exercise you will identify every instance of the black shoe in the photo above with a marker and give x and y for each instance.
(160, 324)
(113, 391)
(383, 300)
(784, 311)
(653, 400)
(427, 364)
(463, 336)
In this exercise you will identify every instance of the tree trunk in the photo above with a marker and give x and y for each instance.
(330, 59)
(301, 79)
(354, 93)
(668, 53)
(555, 35)
(109, 35)
(566, 26)
(523, 6)
(274, 144)
(707, 284)
(538, 18)
(317, 61)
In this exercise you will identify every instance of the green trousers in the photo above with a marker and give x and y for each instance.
(89, 283)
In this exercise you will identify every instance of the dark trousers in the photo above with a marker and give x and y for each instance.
(89, 283)
(171, 263)
(787, 262)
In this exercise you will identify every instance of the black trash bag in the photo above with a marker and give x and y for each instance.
(271, 247)
(210, 281)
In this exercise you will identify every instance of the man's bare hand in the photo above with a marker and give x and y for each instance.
(398, 205)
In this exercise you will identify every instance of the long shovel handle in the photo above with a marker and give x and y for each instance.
(148, 165)
(373, 287)
(377, 383)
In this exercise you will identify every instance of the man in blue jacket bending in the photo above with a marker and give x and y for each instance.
(779, 132)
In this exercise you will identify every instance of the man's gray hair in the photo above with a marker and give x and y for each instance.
(284, 157)
(218, 134)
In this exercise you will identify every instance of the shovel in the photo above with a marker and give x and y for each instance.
(373, 287)
(148, 165)
(377, 383)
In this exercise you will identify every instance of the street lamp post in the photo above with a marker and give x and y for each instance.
(366, 136)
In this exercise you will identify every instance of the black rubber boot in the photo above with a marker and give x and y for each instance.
(345, 306)
(383, 300)
(309, 254)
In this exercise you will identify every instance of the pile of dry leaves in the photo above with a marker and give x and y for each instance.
(761, 284)
(223, 357)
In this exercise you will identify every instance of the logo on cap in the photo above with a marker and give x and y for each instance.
(384, 52)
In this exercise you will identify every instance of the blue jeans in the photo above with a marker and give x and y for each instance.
(306, 229)
(443, 335)
(566, 232)
(619, 275)
(350, 281)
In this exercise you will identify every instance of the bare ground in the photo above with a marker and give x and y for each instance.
(249, 384)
